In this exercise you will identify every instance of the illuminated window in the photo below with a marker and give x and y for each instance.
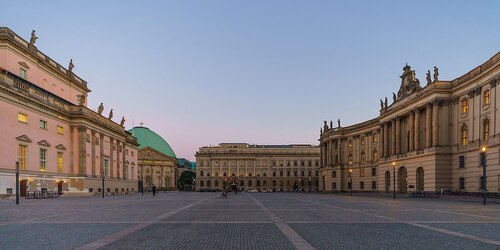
(43, 159)
(43, 124)
(465, 133)
(486, 130)
(23, 157)
(375, 155)
(361, 172)
(349, 144)
(486, 97)
(22, 73)
(22, 117)
(59, 162)
(60, 130)
(349, 159)
(362, 140)
(363, 157)
(375, 138)
(465, 106)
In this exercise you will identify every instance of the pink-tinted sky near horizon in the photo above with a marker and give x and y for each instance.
(200, 73)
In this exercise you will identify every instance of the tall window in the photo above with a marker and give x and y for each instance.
(334, 174)
(461, 183)
(486, 97)
(461, 161)
(375, 138)
(43, 159)
(22, 73)
(349, 159)
(363, 157)
(465, 106)
(465, 133)
(362, 140)
(375, 155)
(486, 130)
(349, 144)
(22, 117)
(106, 167)
(23, 157)
(361, 172)
(59, 162)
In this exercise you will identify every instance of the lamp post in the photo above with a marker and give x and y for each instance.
(394, 179)
(350, 179)
(103, 183)
(483, 164)
(17, 183)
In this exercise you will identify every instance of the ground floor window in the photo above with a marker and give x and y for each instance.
(362, 185)
(461, 183)
(374, 185)
(334, 185)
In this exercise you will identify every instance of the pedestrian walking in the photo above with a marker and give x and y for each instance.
(153, 188)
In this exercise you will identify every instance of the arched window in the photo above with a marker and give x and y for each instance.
(250, 174)
(264, 174)
(274, 173)
(350, 159)
(465, 106)
(375, 138)
(465, 133)
(249, 183)
(258, 183)
(216, 183)
(264, 183)
(363, 157)
(486, 130)
(242, 183)
(209, 183)
(201, 183)
(375, 155)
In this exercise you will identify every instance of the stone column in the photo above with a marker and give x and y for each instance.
(82, 151)
(417, 129)
(393, 139)
(435, 123)
(428, 128)
(339, 155)
(92, 146)
(412, 131)
(381, 141)
(386, 140)
(238, 168)
(398, 135)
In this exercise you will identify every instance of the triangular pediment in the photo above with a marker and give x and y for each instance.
(61, 147)
(24, 138)
(149, 153)
(44, 143)
(24, 64)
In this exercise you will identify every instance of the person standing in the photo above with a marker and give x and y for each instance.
(153, 188)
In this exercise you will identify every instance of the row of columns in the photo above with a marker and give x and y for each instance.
(82, 154)
(392, 145)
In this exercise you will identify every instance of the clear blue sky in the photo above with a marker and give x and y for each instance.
(266, 72)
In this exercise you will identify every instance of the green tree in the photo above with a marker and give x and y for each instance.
(186, 180)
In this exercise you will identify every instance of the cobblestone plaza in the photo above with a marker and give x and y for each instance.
(249, 221)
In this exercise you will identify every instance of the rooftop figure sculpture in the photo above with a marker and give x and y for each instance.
(71, 65)
(110, 116)
(428, 77)
(436, 74)
(33, 38)
(122, 121)
(100, 109)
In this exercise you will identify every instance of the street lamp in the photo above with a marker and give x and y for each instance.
(483, 164)
(394, 179)
(350, 179)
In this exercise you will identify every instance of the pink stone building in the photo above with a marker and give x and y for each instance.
(60, 144)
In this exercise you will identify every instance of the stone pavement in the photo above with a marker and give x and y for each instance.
(248, 221)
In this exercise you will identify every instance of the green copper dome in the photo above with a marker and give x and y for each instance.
(148, 138)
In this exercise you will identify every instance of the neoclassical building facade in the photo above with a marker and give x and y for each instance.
(157, 162)
(59, 143)
(259, 167)
(429, 138)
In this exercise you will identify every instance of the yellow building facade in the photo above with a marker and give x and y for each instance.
(428, 138)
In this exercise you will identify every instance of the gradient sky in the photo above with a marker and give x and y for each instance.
(263, 72)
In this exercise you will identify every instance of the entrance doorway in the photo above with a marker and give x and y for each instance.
(22, 187)
(402, 180)
(420, 178)
(59, 187)
(387, 181)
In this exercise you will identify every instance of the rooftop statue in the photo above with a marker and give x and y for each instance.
(122, 121)
(81, 99)
(338, 121)
(394, 97)
(71, 65)
(100, 109)
(325, 127)
(409, 82)
(428, 77)
(33, 38)
(331, 124)
(436, 74)
(381, 104)
(110, 116)
(385, 102)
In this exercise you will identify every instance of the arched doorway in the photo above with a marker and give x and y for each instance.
(402, 180)
(387, 181)
(420, 178)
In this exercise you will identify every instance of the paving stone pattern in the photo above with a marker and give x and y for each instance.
(188, 220)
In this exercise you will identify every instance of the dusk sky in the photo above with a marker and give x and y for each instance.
(200, 73)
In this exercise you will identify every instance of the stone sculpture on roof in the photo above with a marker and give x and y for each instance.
(71, 65)
(409, 83)
(33, 38)
(122, 121)
(100, 109)
(428, 77)
(110, 116)
(436, 74)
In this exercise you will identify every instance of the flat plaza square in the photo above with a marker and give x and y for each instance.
(193, 220)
